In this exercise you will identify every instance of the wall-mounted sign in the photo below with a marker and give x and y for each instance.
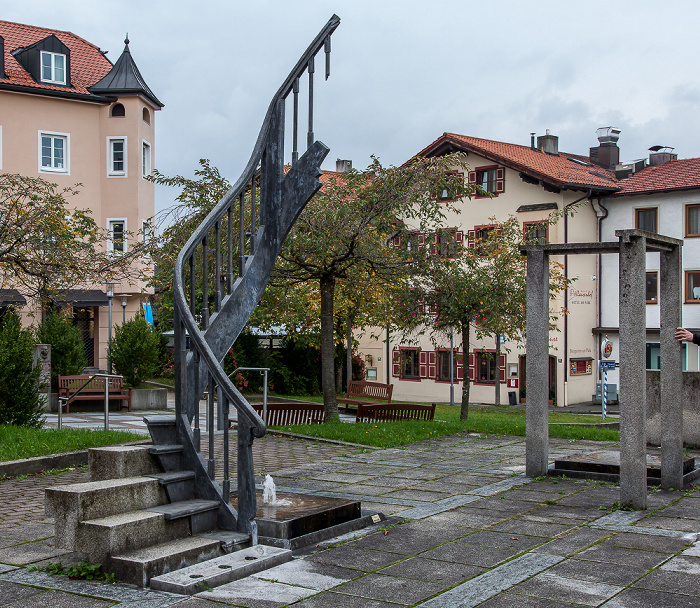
(606, 348)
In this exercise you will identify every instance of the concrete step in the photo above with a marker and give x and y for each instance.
(126, 532)
(202, 513)
(71, 504)
(139, 566)
(179, 485)
(162, 429)
(221, 570)
(120, 461)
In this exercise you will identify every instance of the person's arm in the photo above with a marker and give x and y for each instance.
(685, 335)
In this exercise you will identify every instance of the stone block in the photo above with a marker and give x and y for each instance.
(149, 399)
(120, 461)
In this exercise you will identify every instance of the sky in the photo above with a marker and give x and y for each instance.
(402, 72)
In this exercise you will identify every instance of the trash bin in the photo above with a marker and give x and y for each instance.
(511, 398)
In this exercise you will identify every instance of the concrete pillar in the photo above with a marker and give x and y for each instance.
(633, 473)
(537, 374)
(671, 374)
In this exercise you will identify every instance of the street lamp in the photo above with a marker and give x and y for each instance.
(110, 295)
(124, 296)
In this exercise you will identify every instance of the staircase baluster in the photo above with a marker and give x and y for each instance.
(226, 486)
(193, 283)
(295, 152)
(327, 50)
(252, 216)
(197, 432)
(229, 274)
(241, 243)
(210, 426)
(217, 270)
(310, 134)
(205, 282)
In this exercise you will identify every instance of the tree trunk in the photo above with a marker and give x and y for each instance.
(330, 405)
(348, 354)
(464, 410)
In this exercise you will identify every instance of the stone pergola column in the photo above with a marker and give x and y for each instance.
(671, 373)
(633, 398)
(537, 370)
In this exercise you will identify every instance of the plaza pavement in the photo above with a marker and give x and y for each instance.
(466, 528)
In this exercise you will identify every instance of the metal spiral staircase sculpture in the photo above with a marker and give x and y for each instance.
(211, 317)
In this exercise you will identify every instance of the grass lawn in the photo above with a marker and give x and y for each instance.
(19, 442)
(501, 420)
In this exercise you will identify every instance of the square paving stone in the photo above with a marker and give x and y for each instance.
(501, 503)
(669, 523)
(519, 525)
(573, 542)
(11, 592)
(339, 600)
(440, 486)
(554, 587)
(362, 489)
(502, 540)
(315, 484)
(648, 542)
(387, 509)
(309, 574)
(469, 517)
(341, 477)
(391, 589)
(255, 593)
(584, 570)
(576, 513)
(388, 482)
(60, 599)
(35, 531)
(28, 553)
(645, 598)
(409, 540)
(683, 563)
(623, 556)
(508, 600)
(418, 495)
(473, 555)
(683, 583)
(357, 558)
(421, 473)
(442, 573)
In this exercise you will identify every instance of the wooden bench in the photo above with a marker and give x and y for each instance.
(387, 412)
(290, 412)
(361, 390)
(94, 391)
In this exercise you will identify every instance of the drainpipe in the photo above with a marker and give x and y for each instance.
(566, 296)
(388, 357)
(602, 214)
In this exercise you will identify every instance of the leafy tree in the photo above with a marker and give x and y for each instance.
(480, 289)
(67, 353)
(135, 351)
(19, 383)
(45, 245)
(345, 235)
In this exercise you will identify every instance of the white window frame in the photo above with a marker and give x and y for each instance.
(66, 152)
(146, 158)
(111, 172)
(110, 244)
(52, 56)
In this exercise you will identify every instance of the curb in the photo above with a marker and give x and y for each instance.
(37, 464)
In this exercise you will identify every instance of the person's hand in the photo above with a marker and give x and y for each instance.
(683, 335)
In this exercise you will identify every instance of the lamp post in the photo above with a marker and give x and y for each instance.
(124, 296)
(110, 295)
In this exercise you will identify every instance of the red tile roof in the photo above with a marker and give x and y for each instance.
(560, 170)
(87, 64)
(674, 175)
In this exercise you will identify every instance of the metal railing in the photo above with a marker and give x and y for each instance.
(222, 279)
(65, 400)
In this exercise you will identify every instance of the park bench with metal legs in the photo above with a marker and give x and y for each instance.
(387, 412)
(68, 387)
(360, 391)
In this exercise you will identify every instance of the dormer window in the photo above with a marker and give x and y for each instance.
(53, 68)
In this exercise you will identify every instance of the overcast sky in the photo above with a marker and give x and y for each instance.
(403, 72)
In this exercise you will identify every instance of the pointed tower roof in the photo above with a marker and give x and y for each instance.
(124, 77)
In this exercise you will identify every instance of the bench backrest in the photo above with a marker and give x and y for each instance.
(73, 383)
(370, 390)
(279, 414)
(386, 412)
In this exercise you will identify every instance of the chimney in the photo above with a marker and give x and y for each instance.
(607, 154)
(660, 155)
(548, 143)
(532, 141)
(343, 166)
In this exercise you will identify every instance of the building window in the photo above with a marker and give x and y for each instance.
(409, 363)
(486, 368)
(490, 181)
(535, 232)
(652, 288)
(692, 285)
(692, 220)
(443, 366)
(445, 196)
(53, 152)
(146, 116)
(146, 159)
(116, 156)
(116, 234)
(53, 68)
(653, 356)
(646, 219)
(448, 241)
(118, 110)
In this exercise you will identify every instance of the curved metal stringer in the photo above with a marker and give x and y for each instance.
(262, 231)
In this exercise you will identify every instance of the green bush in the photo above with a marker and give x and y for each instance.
(19, 383)
(67, 352)
(135, 351)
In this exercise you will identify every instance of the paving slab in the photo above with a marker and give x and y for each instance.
(681, 582)
(551, 586)
(645, 598)
(256, 593)
(393, 589)
(309, 574)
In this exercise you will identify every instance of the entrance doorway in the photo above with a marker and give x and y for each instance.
(84, 320)
(522, 372)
